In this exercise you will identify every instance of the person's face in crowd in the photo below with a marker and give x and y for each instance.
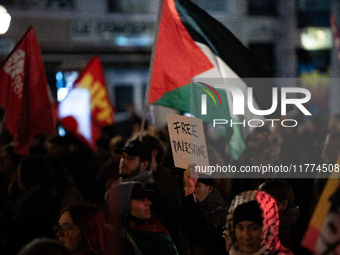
(140, 208)
(130, 165)
(330, 151)
(7, 164)
(248, 236)
(202, 191)
(69, 234)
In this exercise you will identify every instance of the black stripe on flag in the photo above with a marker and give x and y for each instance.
(205, 29)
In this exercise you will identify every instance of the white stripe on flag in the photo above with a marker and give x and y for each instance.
(221, 70)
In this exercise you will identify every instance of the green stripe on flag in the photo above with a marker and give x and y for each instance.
(176, 99)
(236, 143)
(188, 99)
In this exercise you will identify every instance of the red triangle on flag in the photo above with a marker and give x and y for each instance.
(177, 57)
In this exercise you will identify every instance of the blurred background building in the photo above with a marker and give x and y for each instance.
(292, 38)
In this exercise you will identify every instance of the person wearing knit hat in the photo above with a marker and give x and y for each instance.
(241, 213)
(200, 230)
(248, 227)
(211, 204)
(253, 225)
(204, 187)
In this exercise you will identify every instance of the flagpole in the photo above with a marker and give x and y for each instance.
(152, 60)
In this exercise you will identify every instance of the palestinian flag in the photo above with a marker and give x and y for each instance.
(191, 45)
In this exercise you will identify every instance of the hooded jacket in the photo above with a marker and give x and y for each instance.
(148, 238)
(270, 242)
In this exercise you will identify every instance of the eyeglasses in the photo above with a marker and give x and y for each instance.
(64, 229)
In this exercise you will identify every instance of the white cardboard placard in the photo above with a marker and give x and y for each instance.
(187, 140)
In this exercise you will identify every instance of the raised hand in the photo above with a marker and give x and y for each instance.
(190, 179)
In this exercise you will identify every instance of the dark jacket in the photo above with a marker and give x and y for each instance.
(198, 230)
(212, 208)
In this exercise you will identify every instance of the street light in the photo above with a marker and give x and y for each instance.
(5, 19)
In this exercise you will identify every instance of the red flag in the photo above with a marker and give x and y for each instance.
(24, 93)
(95, 97)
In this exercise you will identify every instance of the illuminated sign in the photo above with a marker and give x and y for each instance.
(117, 33)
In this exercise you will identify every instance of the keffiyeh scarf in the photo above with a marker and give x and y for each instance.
(270, 242)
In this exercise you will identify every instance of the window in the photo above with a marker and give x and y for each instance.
(128, 6)
(309, 61)
(313, 13)
(262, 7)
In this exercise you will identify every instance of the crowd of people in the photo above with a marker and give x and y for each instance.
(127, 197)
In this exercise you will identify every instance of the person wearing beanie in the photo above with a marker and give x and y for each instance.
(211, 204)
(204, 187)
(194, 225)
(134, 230)
(253, 225)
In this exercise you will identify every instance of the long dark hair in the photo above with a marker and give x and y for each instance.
(91, 222)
